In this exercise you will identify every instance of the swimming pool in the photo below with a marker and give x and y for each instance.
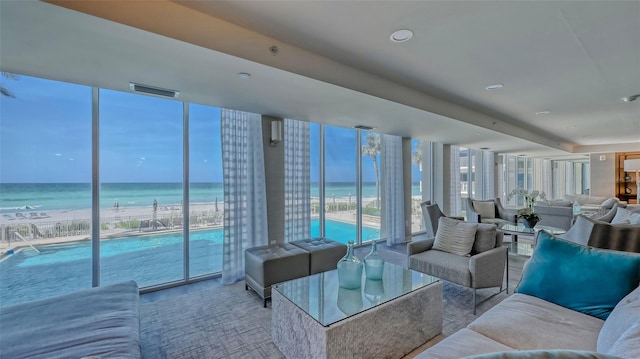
(147, 259)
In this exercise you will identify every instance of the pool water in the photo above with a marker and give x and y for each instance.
(147, 259)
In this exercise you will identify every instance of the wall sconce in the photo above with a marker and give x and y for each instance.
(276, 132)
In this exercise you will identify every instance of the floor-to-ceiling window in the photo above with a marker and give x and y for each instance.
(371, 185)
(206, 193)
(341, 183)
(141, 161)
(45, 188)
(416, 185)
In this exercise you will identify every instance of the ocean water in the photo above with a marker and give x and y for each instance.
(70, 196)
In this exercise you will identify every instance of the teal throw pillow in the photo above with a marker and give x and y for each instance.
(585, 279)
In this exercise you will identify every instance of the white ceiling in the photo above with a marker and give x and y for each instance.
(336, 64)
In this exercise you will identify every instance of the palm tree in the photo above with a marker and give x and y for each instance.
(3, 90)
(417, 154)
(371, 149)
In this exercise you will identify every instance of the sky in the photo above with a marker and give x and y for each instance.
(45, 137)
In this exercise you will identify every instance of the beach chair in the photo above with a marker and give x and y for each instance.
(20, 216)
(8, 216)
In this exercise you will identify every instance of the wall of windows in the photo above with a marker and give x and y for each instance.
(150, 226)
(556, 178)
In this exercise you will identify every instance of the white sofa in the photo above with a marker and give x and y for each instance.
(101, 322)
(527, 322)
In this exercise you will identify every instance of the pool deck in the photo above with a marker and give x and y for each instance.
(342, 216)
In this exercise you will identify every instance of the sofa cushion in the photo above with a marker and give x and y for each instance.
(628, 346)
(485, 238)
(544, 354)
(461, 343)
(455, 236)
(442, 265)
(609, 202)
(622, 216)
(586, 279)
(623, 316)
(526, 323)
(486, 209)
(634, 218)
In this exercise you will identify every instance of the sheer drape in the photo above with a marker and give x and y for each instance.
(245, 205)
(455, 198)
(297, 186)
(488, 174)
(392, 196)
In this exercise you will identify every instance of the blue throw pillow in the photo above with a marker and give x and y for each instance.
(584, 279)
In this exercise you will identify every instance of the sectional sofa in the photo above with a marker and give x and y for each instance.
(553, 315)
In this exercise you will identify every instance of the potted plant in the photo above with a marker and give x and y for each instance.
(529, 219)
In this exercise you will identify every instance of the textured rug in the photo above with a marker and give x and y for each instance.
(230, 322)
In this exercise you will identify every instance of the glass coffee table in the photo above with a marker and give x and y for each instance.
(519, 229)
(313, 317)
(516, 229)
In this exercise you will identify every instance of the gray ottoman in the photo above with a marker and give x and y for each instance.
(324, 253)
(271, 264)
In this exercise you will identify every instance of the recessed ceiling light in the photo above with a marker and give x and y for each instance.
(364, 127)
(244, 75)
(631, 98)
(401, 35)
(543, 112)
(494, 87)
(484, 148)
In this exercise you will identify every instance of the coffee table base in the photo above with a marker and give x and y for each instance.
(390, 330)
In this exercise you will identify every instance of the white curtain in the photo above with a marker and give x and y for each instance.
(569, 179)
(547, 179)
(392, 196)
(488, 174)
(245, 205)
(455, 198)
(297, 186)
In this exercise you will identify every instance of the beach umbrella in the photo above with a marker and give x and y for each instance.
(26, 207)
(216, 203)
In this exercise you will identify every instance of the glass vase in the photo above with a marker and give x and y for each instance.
(373, 264)
(350, 270)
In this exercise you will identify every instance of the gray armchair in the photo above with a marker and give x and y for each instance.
(484, 268)
(431, 213)
(489, 211)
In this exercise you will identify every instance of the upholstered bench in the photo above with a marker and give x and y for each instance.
(324, 253)
(271, 264)
(265, 266)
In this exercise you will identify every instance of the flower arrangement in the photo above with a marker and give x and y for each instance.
(529, 216)
(529, 198)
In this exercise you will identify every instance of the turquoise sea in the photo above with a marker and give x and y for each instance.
(70, 196)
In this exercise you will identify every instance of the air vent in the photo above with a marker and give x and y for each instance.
(153, 90)
(363, 127)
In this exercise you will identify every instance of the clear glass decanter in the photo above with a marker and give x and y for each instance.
(350, 269)
(373, 264)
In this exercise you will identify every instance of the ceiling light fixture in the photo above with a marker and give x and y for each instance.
(364, 127)
(153, 90)
(401, 35)
(244, 75)
(543, 112)
(484, 148)
(494, 87)
(631, 98)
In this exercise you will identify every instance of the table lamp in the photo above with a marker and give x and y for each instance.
(634, 166)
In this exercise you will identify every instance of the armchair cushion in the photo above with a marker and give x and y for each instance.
(485, 238)
(454, 236)
(584, 279)
(486, 209)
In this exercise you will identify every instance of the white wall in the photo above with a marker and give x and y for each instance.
(603, 174)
